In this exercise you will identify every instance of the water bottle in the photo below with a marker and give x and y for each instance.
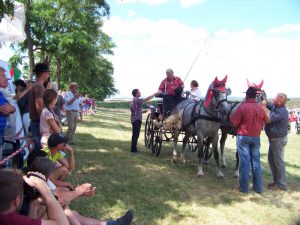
(8, 163)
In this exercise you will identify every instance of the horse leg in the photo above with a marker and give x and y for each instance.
(200, 155)
(183, 149)
(174, 158)
(216, 155)
(222, 146)
(237, 162)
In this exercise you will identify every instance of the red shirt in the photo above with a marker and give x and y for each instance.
(249, 118)
(16, 219)
(292, 118)
(169, 86)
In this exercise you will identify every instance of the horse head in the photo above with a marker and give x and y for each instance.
(216, 96)
(261, 94)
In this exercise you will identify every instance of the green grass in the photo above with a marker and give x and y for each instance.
(162, 193)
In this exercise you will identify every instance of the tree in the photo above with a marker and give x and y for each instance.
(67, 35)
(6, 7)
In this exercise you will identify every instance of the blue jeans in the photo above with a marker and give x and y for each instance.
(249, 154)
(35, 130)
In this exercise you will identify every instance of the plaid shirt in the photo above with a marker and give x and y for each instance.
(136, 109)
(249, 118)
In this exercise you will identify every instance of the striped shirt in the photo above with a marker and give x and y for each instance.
(249, 118)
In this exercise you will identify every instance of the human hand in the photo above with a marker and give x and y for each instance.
(67, 148)
(6, 109)
(263, 103)
(86, 189)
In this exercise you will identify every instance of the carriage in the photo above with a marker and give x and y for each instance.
(155, 134)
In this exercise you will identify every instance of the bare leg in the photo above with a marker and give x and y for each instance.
(60, 173)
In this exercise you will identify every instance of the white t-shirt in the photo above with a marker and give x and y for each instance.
(195, 94)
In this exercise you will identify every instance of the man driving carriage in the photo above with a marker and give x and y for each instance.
(170, 88)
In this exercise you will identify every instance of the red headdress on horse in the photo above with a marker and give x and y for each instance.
(216, 85)
(258, 86)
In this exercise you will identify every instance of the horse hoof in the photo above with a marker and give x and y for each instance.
(220, 175)
(173, 160)
(224, 166)
(200, 174)
(236, 175)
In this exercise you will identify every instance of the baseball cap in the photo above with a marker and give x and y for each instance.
(56, 139)
(73, 84)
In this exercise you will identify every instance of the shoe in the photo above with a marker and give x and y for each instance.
(272, 184)
(277, 188)
(126, 219)
(135, 152)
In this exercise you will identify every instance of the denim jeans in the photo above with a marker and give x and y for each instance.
(276, 160)
(35, 130)
(249, 154)
(136, 127)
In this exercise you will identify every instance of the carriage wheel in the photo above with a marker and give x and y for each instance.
(157, 142)
(148, 139)
(207, 150)
(192, 144)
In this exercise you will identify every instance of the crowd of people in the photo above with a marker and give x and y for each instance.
(51, 160)
(249, 119)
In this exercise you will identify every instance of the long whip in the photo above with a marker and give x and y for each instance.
(205, 42)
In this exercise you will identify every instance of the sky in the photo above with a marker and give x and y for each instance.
(203, 39)
(255, 40)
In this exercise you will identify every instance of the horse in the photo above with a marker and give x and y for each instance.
(202, 119)
(227, 128)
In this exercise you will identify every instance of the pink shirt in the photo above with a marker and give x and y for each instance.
(44, 125)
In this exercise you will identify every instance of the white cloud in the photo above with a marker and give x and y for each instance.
(189, 3)
(145, 48)
(286, 28)
(131, 13)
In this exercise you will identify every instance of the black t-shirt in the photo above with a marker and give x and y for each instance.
(23, 104)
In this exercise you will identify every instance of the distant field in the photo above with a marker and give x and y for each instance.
(162, 193)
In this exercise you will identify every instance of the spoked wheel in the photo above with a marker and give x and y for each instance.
(207, 150)
(192, 143)
(148, 135)
(157, 142)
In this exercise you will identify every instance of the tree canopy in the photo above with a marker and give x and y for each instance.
(67, 35)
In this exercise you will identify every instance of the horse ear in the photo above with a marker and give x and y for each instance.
(248, 83)
(216, 81)
(260, 85)
(224, 80)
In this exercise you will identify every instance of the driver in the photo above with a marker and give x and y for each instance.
(171, 87)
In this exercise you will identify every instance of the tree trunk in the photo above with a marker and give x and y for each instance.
(29, 41)
(58, 71)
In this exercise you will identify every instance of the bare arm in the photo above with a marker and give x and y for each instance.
(70, 164)
(53, 125)
(55, 213)
(151, 96)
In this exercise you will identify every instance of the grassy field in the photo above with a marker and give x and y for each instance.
(161, 193)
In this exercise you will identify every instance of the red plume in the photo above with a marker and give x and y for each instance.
(208, 98)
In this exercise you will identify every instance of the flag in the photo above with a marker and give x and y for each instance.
(14, 72)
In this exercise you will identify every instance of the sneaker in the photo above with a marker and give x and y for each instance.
(277, 188)
(126, 219)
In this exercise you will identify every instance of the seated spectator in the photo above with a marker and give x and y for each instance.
(49, 122)
(22, 93)
(195, 93)
(45, 166)
(55, 151)
(11, 195)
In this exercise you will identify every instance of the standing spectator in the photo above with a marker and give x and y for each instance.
(136, 116)
(293, 121)
(36, 103)
(72, 107)
(59, 106)
(5, 108)
(49, 122)
(249, 119)
(277, 130)
(22, 93)
(11, 195)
